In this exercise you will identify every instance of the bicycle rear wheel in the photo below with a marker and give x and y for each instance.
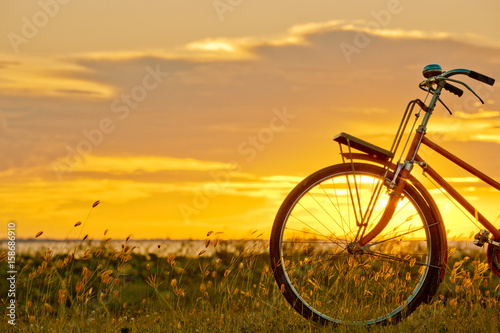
(323, 278)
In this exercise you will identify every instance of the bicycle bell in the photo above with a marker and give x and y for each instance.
(432, 70)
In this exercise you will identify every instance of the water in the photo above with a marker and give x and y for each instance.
(159, 247)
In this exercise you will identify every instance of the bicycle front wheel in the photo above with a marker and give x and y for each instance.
(324, 277)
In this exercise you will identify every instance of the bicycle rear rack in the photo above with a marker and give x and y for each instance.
(374, 151)
(365, 147)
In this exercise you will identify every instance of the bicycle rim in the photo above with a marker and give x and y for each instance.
(324, 280)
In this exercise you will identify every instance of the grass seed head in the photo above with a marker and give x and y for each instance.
(61, 296)
(38, 234)
(78, 223)
(170, 258)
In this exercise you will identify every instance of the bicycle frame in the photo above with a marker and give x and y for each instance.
(414, 158)
(457, 196)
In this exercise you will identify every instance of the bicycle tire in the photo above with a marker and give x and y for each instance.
(323, 281)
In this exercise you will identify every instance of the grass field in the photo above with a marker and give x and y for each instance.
(101, 289)
(223, 286)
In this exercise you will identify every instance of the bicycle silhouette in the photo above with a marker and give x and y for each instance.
(363, 242)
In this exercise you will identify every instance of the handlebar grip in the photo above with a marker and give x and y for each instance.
(482, 78)
(455, 90)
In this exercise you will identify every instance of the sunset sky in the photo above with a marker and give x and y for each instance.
(188, 116)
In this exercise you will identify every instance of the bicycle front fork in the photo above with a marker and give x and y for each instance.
(394, 198)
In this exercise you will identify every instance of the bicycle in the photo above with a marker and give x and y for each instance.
(363, 242)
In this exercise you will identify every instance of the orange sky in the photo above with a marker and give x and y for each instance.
(203, 115)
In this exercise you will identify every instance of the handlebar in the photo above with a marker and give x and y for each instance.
(435, 75)
(482, 78)
(471, 74)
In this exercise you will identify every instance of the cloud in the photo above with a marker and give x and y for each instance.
(126, 165)
(221, 91)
